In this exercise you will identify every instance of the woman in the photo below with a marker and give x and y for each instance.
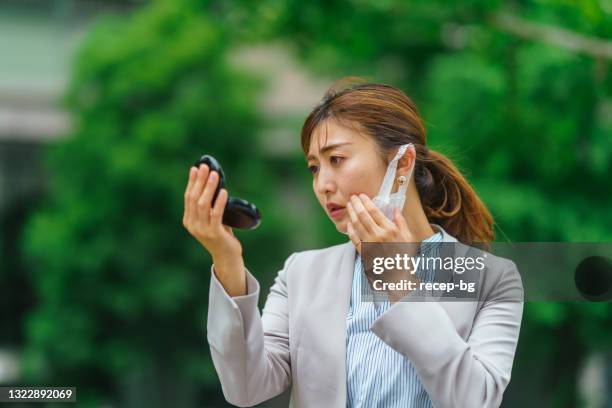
(316, 332)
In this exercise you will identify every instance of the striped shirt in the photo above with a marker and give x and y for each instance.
(377, 375)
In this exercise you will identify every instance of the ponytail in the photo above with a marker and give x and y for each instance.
(450, 201)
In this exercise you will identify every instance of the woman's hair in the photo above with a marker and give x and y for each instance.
(391, 118)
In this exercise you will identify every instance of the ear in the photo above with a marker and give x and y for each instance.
(406, 161)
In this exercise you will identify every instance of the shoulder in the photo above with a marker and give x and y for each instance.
(501, 280)
(322, 254)
(330, 250)
(320, 259)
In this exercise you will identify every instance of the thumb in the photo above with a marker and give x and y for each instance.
(229, 230)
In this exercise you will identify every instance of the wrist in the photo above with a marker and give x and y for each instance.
(224, 264)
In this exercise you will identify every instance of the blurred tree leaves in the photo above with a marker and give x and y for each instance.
(122, 287)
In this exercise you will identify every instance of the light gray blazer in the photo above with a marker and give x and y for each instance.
(462, 350)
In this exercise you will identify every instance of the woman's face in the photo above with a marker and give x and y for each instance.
(344, 164)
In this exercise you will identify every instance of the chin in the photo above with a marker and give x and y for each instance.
(341, 227)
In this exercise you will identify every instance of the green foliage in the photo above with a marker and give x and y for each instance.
(122, 287)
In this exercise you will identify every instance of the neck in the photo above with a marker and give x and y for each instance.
(415, 217)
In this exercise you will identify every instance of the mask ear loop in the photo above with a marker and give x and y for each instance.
(385, 189)
(404, 187)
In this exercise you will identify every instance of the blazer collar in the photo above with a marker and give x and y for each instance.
(446, 237)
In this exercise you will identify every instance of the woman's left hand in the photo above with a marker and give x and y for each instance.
(368, 224)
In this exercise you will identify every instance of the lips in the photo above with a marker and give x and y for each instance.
(333, 207)
(334, 210)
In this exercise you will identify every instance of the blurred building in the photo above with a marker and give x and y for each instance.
(37, 42)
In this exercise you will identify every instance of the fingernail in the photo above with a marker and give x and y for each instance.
(363, 196)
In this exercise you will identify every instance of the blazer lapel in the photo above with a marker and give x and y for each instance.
(332, 320)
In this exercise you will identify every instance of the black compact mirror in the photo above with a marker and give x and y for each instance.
(238, 213)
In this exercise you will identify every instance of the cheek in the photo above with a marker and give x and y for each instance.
(361, 179)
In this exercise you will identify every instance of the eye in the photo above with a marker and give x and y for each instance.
(335, 159)
(313, 169)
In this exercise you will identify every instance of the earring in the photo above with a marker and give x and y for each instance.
(402, 180)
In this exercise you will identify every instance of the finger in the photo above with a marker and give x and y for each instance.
(359, 228)
(190, 182)
(216, 216)
(205, 200)
(190, 179)
(377, 215)
(399, 220)
(196, 191)
(364, 216)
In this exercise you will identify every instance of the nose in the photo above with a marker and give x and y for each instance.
(324, 183)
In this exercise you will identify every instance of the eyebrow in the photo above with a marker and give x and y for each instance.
(326, 148)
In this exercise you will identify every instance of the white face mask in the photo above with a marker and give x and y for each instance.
(385, 200)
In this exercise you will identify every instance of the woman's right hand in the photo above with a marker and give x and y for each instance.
(204, 222)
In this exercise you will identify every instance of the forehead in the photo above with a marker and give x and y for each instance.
(330, 132)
